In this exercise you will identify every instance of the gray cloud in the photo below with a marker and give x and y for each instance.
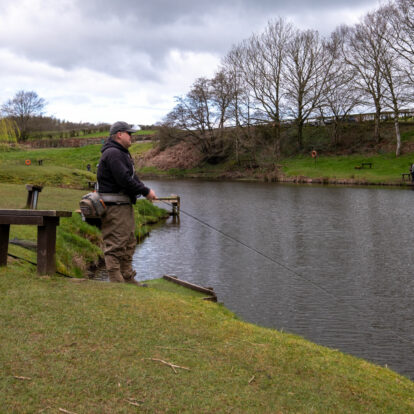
(132, 38)
(140, 41)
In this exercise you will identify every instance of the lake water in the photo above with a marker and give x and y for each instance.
(332, 264)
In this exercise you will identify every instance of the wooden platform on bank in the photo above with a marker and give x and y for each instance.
(207, 290)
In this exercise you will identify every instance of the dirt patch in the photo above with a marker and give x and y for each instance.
(183, 156)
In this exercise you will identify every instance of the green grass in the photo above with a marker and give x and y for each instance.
(140, 147)
(61, 167)
(386, 168)
(93, 347)
(407, 136)
(15, 196)
(147, 214)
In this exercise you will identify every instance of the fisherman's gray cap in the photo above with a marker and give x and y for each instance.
(121, 126)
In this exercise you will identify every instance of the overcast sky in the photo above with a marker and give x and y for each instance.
(108, 60)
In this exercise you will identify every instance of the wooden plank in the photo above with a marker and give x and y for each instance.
(21, 220)
(46, 213)
(4, 243)
(189, 285)
(172, 198)
(46, 246)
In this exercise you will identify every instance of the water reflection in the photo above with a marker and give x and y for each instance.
(336, 263)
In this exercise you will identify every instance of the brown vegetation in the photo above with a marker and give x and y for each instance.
(183, 155)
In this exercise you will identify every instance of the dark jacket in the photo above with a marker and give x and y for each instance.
(116, 172)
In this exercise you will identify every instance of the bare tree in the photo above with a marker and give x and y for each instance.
(241, 107)
(267, 56)
(364, 52)
(192, 112)
(260, 60)
(398, 89)
(400, 17)
(222, 94)
(306, 73)
(22, 108)
(340, 97)
(203, 113)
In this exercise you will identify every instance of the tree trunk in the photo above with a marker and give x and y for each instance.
(397, 135)
(377, 125)
(237, 145)
(300, 135)
(335, 132)
(276, 141)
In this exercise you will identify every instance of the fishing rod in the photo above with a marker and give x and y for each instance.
(271, 259)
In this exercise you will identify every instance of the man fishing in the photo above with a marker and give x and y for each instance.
(119, 187)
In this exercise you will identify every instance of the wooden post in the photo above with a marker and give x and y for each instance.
(46, 246)
(176, 206)
(4, 243)
(174, 200)
(33, 195)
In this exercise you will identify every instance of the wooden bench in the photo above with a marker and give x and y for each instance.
(46, 221)
(363, 165)
(403, 175)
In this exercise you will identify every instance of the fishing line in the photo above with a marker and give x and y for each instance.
(271, 259)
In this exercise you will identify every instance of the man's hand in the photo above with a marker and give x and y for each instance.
(151, 195)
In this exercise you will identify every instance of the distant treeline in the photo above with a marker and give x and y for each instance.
(49, 127)
(67, 142)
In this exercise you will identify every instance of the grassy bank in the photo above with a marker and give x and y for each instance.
(335, 162)
(61, 167)
(386, 169)
(67, 167)
(93, 347)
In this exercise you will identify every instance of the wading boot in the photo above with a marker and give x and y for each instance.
(114, 269)
(129, 278)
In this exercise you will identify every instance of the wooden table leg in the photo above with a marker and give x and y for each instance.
(4, 243)
(46, 246)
